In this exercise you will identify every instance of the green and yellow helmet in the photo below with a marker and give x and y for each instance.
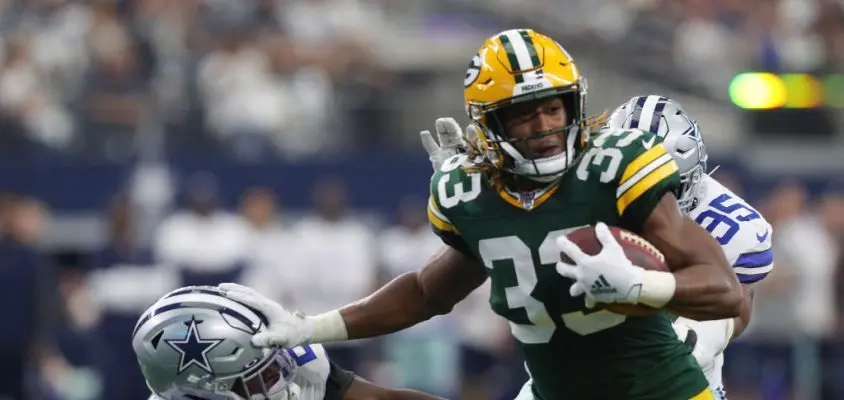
(516, 66)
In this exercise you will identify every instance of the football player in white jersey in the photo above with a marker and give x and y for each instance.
(744, 235)
(195, 344)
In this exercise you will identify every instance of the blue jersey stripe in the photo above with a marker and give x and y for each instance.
(748, 278)
(758, 259)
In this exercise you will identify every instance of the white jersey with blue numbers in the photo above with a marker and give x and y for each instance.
(742, 232)
(313, 371)
(311, 376)
(745, 237)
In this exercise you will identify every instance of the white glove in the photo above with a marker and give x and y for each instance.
(608, 277)
(686, 333)
(285, 329)
(707, 339)
(450, 138)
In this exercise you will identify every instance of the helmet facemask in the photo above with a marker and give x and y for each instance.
(691, 158)
(504, 150)
(269, 381)
(689, 152)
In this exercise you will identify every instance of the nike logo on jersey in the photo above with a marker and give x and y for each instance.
(602, 286)
(762, 237)
(649, 143)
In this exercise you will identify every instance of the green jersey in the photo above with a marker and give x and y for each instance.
(571, 352)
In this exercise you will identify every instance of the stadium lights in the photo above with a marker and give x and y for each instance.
(762, 90)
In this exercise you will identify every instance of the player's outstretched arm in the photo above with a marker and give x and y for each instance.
(415, 296)
(706, 287)
(405, 301)
(361, 389)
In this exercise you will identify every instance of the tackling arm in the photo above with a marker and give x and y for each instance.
(415, 296)
(705, 286)
(433, 290)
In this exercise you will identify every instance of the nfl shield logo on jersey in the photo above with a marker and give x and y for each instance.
(528, 199)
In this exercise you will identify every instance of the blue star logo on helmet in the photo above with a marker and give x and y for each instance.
(193, 348)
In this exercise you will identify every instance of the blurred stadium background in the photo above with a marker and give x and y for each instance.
(146, 144)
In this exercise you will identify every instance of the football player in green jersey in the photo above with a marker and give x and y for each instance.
(534, 173)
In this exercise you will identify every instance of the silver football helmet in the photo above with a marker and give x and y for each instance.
(681, 137)
(195, 343)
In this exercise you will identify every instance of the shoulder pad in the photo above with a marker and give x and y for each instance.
(751, 252)
(452, 184)
(752, 236)
(743, 233)
(313, 363)
(624, 154)
(635, 163)
(452, 188)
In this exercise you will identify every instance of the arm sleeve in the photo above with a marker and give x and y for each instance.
(646, 178)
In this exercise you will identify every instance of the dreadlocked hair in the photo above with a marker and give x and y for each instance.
(482, 165)
(595, 122)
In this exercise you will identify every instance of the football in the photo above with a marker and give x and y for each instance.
(637, 249)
